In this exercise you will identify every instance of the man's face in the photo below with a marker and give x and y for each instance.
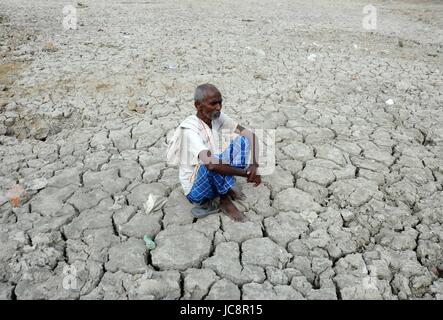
(211, 105)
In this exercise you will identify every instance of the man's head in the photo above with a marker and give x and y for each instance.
(208, 101)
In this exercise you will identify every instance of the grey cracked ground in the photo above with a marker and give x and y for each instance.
(353, 210)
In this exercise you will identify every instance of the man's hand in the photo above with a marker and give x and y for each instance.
(253, 177)
(257, 180)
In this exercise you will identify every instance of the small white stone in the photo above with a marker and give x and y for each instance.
(312, 57)
(389, 102)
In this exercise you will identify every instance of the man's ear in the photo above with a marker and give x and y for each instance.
(197, 105)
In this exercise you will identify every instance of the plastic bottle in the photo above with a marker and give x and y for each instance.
(150, 244)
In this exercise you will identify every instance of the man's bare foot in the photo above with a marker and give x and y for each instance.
(230, 209)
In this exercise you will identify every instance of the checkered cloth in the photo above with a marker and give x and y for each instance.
(207, 184)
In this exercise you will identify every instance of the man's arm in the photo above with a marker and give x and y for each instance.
(214, 164)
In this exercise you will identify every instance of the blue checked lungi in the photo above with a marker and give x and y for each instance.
(208, 184)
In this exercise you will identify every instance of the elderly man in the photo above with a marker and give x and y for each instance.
(206, 171)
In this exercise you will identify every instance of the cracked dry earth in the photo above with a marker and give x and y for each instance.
(354, 209)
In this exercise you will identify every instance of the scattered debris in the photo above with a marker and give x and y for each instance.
(140, 109)
(356, 175)
(132, 106)
(150, 244)
(171, 66)
(49, 47)
(39, 129)
(389, 102)
(312, 57)
(259, 76)
(17, 195)
(154, 203)
(36, 184)
(400, 43)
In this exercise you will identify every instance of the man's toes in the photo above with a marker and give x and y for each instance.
(238, 216)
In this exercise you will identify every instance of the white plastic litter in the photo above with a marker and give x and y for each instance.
(154, 203)
(171, 66)
(36, 184)
(389, 102)
(312, 57)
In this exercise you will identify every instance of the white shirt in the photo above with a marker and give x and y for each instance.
(196, 136)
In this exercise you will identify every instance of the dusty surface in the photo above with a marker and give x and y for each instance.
(354, 209)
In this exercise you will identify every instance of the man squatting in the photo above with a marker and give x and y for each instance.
(206, 172)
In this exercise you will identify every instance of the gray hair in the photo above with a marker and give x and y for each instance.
(200, 91)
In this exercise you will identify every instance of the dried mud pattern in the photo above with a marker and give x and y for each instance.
(353, 211)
